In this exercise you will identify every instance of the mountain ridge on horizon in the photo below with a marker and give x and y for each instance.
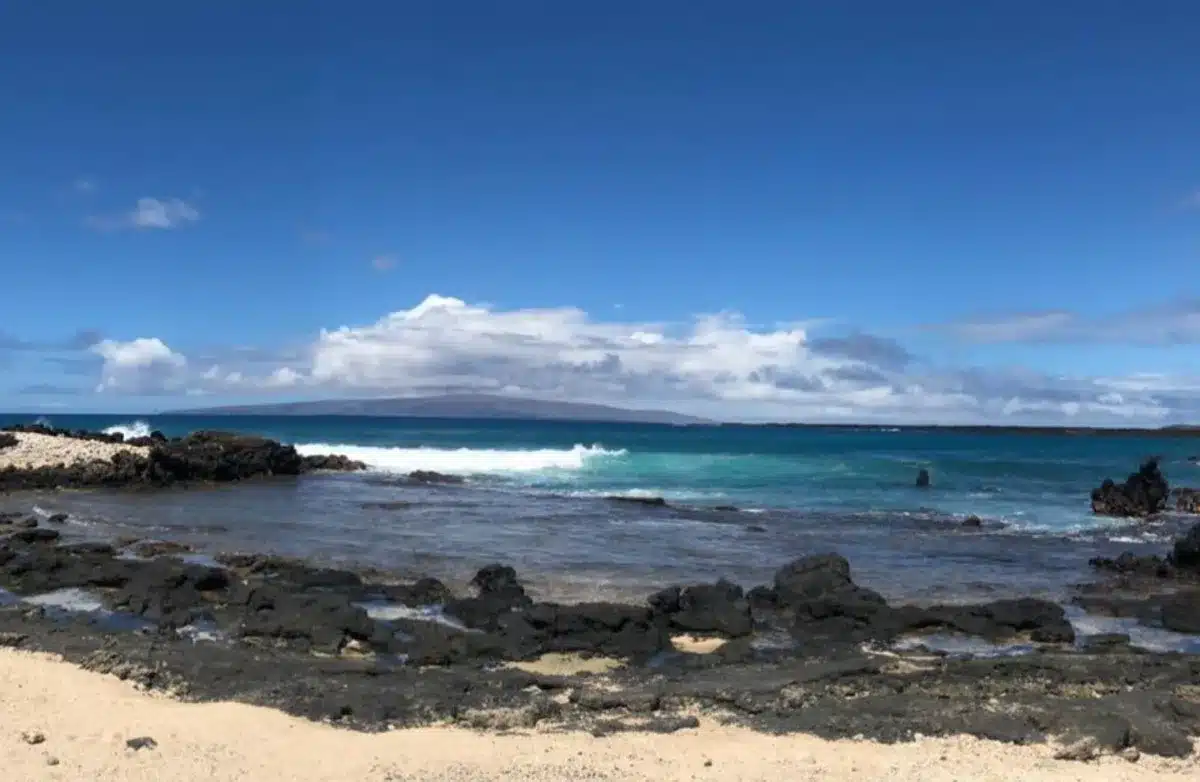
(456, 406)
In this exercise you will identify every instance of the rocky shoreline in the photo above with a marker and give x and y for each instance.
(812, 651)
(39, 457)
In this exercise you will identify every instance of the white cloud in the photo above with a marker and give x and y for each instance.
(715, 365)
(383, 263)
(172, 213)
(139, 366)
(149, 213)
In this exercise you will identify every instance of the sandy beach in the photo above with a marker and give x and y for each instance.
(80, 723)
(40, 450)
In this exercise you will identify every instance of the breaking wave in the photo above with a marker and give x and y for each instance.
(465, 461)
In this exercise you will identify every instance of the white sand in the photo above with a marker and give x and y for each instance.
(86, 719)
(42, 450)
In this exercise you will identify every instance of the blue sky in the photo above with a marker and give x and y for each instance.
(923, 211)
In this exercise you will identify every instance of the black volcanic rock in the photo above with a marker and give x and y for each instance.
(923, 481)
(719, 608)
(201, 457)
(1186, 552)
(1142, 494)
(7, 440)
(1186, 500)
(650, 502)
(432, 476)
(332, 463)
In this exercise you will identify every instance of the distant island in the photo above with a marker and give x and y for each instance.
(458, 406)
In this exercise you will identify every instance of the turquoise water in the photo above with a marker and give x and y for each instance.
(536, 496)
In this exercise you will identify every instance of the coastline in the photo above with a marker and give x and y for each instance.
(85, 721)
(809, 657)
(34, 450)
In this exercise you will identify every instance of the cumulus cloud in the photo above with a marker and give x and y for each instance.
(143, 365)
(149, 213)
(716, 366)
(1173, 323)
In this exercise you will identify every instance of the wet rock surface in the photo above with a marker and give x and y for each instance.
(1143, 493)
(431, 476)
(1186, 500)
(1181, 563)
(298, 636)
(201, 457)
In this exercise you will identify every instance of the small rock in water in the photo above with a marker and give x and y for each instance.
(727, 508)
(923, 478)
(26, 523)
(33, 737)
(141, 742)
(654, 502)
(58, 518)
(431, 476)
(972, 521)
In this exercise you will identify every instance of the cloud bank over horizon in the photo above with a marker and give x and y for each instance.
(716, 366)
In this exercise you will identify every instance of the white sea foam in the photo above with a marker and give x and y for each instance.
(70, 599)
(390, 612)
(130, 429)
(464, 461)
(1153, 639)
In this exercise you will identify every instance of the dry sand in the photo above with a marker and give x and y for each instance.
(42, 450)
(86, 719)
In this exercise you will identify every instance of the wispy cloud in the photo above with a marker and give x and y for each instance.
(82, 339)
(84, 185)
(149, 214)
(867, 348)
(50, 389)
(1172, 323)
(383, 263)
(314, 237)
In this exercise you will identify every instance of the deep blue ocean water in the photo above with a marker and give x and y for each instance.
(537, 497)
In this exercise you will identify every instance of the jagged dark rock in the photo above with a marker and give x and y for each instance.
(1143, 493)
(1183, 562)
(1186, 500)
(431, 476)
(7, 440)
(297, 640)
(1186, 552)
(332, 463)
(650, 502)
(201, 457)
(923, 480)
(719, 608)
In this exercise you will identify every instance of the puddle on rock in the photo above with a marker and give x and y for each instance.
(1150, 639)
(387, 611)
(70, 603)
(956, 645)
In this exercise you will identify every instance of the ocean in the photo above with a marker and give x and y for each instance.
(539, 496)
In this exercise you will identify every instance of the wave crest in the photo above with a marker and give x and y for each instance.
(130, 430)
(464, 461)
